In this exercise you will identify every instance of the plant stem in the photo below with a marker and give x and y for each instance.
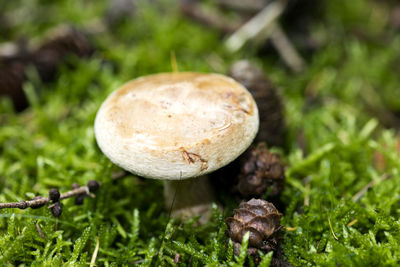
(190, 197)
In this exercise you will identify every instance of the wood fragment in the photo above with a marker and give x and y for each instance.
(40, 231)
(208, 17)
(118, 175)
(286, 50)
(307, 195)
(260, 23)
(39, 201)
(244, 6)
(371, 184)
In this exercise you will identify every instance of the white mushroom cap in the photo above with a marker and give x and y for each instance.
(176, 125)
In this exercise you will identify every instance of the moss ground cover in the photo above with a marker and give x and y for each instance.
(338, 142)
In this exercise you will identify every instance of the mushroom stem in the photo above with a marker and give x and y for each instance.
(189, 198)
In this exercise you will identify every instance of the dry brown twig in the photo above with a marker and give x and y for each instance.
(118, 175)
(80, 192)
(371, 184)
(208, 17)
(244, 6)
(263, 26)
(40, 201)
(39, 229)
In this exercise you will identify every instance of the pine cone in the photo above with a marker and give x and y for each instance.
(46, 59)
(12, 76)
(261, 171)
(67, 41)
(262, 220)
(269, 103)
(119, 11)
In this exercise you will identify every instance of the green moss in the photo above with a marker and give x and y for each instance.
(52, 145)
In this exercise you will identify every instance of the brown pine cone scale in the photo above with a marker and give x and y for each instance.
(262, 220)
(269, 102)
(261, 171)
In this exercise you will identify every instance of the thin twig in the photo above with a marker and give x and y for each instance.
(208, 17)
(40, 231)
(83, 190)
(286, 49)
(263, 26)
(258, 24)
(258, 29)
(40, 201)
(307, 188)
(371, 184)
(118, 175)
(244, 6)
(307, 194)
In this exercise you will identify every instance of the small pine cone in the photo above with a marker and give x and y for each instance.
(262, 220)
(261, 171)
(269, 103)
(12, 77)
(67, 41)
(46, 59)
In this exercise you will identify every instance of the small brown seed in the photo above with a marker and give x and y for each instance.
(54, 195)
(56, 210)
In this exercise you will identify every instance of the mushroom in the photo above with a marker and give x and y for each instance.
(177, 127)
